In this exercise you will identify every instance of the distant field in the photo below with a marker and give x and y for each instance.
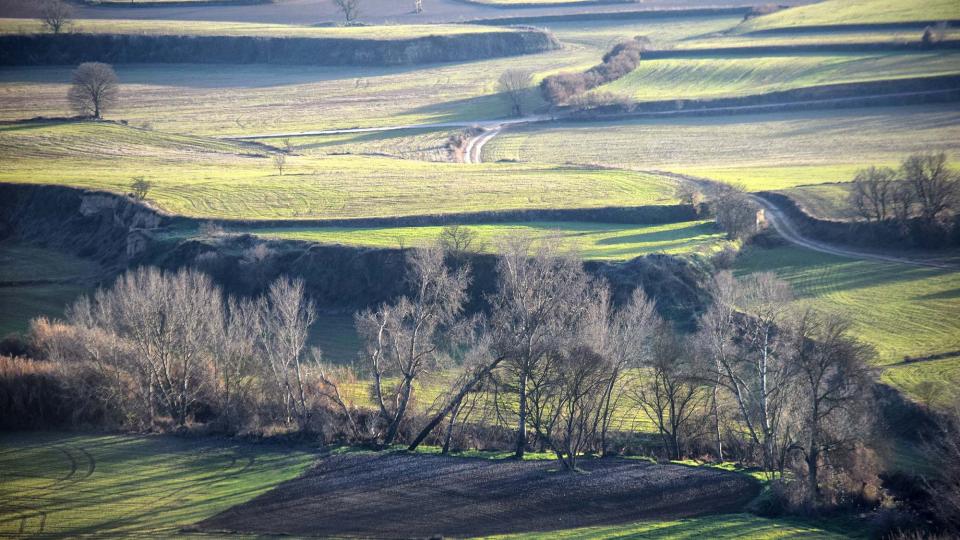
(759, 151)
(717, 76)
(71, 485)
(825, 201)
(48, 281)
(944, 374)
(218, 28)
(199, 178)
(597, 241)
(903, 311)
(420, 144)
(662, 33)
(809, 38)
(833, 12)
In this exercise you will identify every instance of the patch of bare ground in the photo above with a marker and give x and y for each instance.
(398, 495)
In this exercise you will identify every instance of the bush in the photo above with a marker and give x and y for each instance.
(622, 59)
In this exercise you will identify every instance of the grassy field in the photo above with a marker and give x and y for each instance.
(595, 241)
(726, 526)
(418, 144)
(218, 28)
(194, 178)
(717, 76)
(825, 201)
(903, 311)
(55, 485)
(809, 38)
(759, 151)
(833, 12)
(225, 100)
(39, 282)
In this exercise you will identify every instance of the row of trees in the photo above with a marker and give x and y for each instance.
(554, 360)
(923, 187)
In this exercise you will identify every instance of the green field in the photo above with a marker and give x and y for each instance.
(718, 76)
(833, 12)
(199, 178)
(594, 241)
(809, 38)
(824, 201)
(70, 485)
(38, 282)
(218, 28)
(759, 151)
(903, 311)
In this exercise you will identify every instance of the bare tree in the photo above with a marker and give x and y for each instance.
(734, 211)
(418, 6)
(286, 316)
(540, 296)
(279, 161)
(873, 193)
(140, 187)
(95, 89)
(405, 338)
(833, 382)
(943, 485)
(458, 240)
(234, 362)
(715, 341)
(513, 85)
(349, 8)
(667, 391)
(935, 186)
(55, 15)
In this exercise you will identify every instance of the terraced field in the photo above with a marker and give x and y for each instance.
(594, 241)
(848, 12)
(55, 485)
(758, 151)
(218, 28)
(906, 312)
(194, 178)
(717, 76)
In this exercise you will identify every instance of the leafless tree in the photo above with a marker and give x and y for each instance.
(55, 15)
(140, 187)
(349, 8)
(943, 486)
(286, 316)
(458, 240)
(540, 297)
(406, 338)
(418, 6)
(513, 85)
(667, 391)
(94, 90)
(566, 392)
(935, 186)
(235, 358)
(279, 161)
(833, 382)
(715, 342)
(734, 211)
(623, 337)
(872, 194)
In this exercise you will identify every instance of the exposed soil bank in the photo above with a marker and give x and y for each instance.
(411, 496)
(65, 49)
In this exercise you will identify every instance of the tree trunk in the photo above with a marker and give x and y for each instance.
(401, 410)
(521, 442)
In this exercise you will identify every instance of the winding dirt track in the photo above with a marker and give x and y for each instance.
(416, 496)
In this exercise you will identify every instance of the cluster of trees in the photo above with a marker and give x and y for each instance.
(562, 88)
(923, 187)
(552, 363)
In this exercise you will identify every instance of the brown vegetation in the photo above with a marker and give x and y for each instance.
(561, 89)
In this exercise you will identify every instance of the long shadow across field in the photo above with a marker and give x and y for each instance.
(404, 495)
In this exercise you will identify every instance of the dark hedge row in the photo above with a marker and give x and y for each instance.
(74, 48)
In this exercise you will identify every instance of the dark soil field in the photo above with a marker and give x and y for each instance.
(402, 495)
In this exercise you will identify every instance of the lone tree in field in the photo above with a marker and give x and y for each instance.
(513, 85)
(95, 89)
(280, 161)
(55, 15)
(140, 187)
(349, 8)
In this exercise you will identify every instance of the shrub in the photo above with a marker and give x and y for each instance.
(622, 59)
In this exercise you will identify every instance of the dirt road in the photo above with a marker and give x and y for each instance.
(399, 495)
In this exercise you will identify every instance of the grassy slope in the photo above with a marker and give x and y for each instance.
(715, 77)
(129, 486)
(596, 241)
(810, 38)
(901, 310)
(199, 178)
(856, 12)
(66, 276)
(825, 201)
(759, 151)
(217, 28)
